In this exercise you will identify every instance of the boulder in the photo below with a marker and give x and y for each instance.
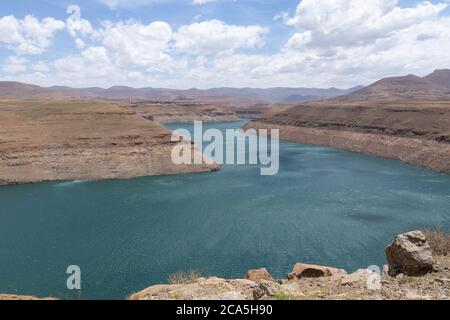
(409, 254)
(256, 275)
(266, 289)
(362, 278)
(302, 270)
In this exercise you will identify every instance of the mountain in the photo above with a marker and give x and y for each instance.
(440, 77)
(18, 90)
(435, 86)
(271, 95)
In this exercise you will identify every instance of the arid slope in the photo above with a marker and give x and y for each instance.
(61, 140)
(414, 132)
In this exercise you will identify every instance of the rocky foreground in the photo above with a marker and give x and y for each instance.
(413, 273)
(82, 140)
(417, 270)
(415, 132)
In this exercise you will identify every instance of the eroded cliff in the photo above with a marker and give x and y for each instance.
(82, 140)
(416, 132)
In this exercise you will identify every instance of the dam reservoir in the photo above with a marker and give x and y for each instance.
(325, 206)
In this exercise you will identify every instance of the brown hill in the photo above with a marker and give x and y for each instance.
(409, 87)
(440, 77)
(234, 95)
(10, 89)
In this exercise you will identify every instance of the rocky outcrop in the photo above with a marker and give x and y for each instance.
(313, 282)
(13, 297)
(409, 254)
(73, 140)
(202, 289)
(256, 275)
(303, 270)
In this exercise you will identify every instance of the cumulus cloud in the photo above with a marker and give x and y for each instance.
(215, 36)
(135, 44)
(201, 1)
(29, 35)
(15, 64)
(355, 22)
(327, 43)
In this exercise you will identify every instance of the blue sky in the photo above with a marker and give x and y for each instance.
(258, 43)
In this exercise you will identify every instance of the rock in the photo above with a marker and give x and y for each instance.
(360, 278)
(256, 275)
(13, 297)
(409, 254)
(293, 288)
(266, 288)
(385, 269)
(203, 289)
(442, 281)
(302, 270)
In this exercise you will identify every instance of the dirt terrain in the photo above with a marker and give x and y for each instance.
(82, 140)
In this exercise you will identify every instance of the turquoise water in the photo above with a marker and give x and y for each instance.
(325, 206)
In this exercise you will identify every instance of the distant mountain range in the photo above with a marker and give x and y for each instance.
(435, 86)
(27, 91)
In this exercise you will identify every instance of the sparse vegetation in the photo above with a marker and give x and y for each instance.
(284, 296)
(184, 277)
(438, 240)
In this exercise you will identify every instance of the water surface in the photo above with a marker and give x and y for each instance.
(325, 206)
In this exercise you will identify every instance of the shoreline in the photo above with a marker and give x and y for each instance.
(426, 154)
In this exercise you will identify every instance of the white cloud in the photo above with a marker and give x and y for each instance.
(324, 23)
(15, 64)
(135, 44)
(215, 36)
(330, 43)
(201, 1)
(77, 27)
(29, 35)
(79, 43)
(40, 66)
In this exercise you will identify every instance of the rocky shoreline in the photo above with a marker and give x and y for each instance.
(414, 272)
(422, 153)
(418, 269)
(415, 132)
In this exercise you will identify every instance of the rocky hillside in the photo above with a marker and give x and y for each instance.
(434, 87)
(388, 119)
(182, 112)
(440, 77)
(61, 140)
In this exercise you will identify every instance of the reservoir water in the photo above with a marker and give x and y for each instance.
(325, 206)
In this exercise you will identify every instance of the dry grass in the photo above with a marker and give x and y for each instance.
(438, 240)
(184, 277)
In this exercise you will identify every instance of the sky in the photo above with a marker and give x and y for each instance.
(221, 43)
